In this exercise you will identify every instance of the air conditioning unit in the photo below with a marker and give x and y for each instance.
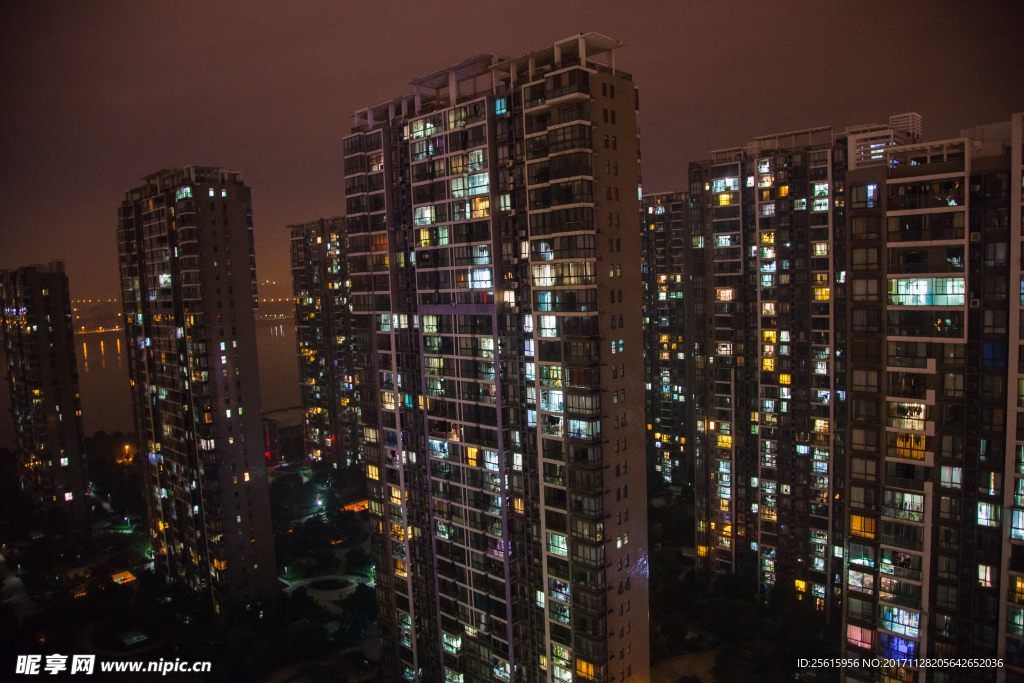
(975, 303)
(511, 183)
(513, 261)
(508, 163)
(598, 257)
(513, 285)
(975, 236)
(511, 212)
(515, 309)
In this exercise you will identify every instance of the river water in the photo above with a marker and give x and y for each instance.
(103, 378)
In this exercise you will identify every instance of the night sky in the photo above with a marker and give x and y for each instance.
(96, 95)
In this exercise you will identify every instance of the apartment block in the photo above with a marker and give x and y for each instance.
(668, 334)
(766, 217)
(188, 287)
(492, 217)
(319, 253)
(42, 375)
(934, 563)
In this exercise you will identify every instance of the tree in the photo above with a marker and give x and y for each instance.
(357, 561)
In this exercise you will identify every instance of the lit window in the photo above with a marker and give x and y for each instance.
(801, 586)
(821, 248)
(768, 364)
(584, 669)
(785, 378)
(1017, 525)
(557, 545)
(68, 496)
(373, 472)
(985, 576)
(951, 477)
(821, 293)
(989, 514)
(862, 526)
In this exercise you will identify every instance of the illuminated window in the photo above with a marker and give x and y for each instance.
(767, 238)
(481, 207)
(820, 189)
(821, 426)
(820, 205)
(1017, 525)
(908, 446)
(785, 378)
(859, 637)
(951, 477)
(723, 294)
(724, 199)
(985, 575)
(724, 441)
(937, 291)
(799, 204)
(68, 496)
(821, 248)
(557, 545)
(246, 476)
(584, 669)
(768, 364)
(989, 514)
(784, 190)
(373, 472)
(801, 586)
(862, 526)
(768, 308)
(769, 336)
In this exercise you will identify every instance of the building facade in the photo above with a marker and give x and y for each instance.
(42, 375)
(935, 552)
(493, 237)
(323, 319)
(668, 328)
(766, 216)
(188, 288)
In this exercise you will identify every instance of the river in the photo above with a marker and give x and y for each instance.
(103, 377)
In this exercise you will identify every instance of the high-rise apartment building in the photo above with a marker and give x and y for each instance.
(188, 287)
(493, 242)
(766, 216)
(857, 436)
(42, 374)
(319, 251)
(668, 331)
(934, 559)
